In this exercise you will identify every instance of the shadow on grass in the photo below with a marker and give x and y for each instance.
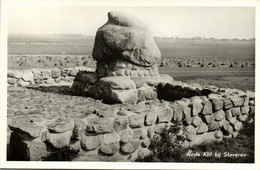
(64, 90)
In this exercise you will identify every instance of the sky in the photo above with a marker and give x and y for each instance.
(218, 22)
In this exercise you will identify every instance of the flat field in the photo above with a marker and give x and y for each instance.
(77, 45)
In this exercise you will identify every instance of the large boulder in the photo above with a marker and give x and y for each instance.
(124, 37)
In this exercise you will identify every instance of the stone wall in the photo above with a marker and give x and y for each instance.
(39, 76)
(124, 132)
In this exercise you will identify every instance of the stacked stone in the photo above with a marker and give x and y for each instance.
(37, 76)
(124, 134)
(123, 68)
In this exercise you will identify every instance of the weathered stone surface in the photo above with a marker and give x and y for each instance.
(99, 125)
(202, 128)
(146, 93)
(177, 113)
(139, 133)
(186, 111)
(143, 153)
(217, 104)
(130, 147)
(238, 125)
(56, 73)
(219, 115)
(242, 118)
(237, 101)
(46, 74)
(109, 149)
(226, 127)
(124, 37)
(111, 138)
(150, 132)
(196, 121)
(124, 96)
(27, 75)
(26, 128)
(155, 80)
(245, 110)
(59, 140)
(213, 126)
(209, 118)
(159, 128)
(90, 142)
(139, 82)
(120, 123)
(235, 111)
(32, 150)
(150, 117)
(136, 121)
(250, 94)
(11, 80)
(228, 114)
(218, 134)
(190, 133)
(117, 83)
(227, 104)
(126, 136)
(164, 114)
(60, 126)
(65, 72)
(146, 142)
(207, 108)
(17, 74)
(79, 129)
(22, 83)
(73, 72)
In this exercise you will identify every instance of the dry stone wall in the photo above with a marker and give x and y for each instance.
(43, 76)
(124, 133)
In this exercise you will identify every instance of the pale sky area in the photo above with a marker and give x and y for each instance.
(218, 22)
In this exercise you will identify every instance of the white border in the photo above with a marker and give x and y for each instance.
(106, 165)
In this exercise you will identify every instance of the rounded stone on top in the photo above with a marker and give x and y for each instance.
(124, 37)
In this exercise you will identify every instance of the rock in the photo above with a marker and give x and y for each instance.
(11, 80)
(245, 110)
(186, 111)
(123, 96)
(213, 126)
(139, 82)
(28, 75)
(234, 134)
(90, 142)
(237, 101)
(65, 72)
(196, 121)
(250, 94)
(209, 118)
(60, 126)
(150, 117)
(111, 138)
(146, 93)
(218, 134)
(190, 133)
(17, 74)
(46, 74)
(242, 118)
(79, 129)
(56, 73)
(32, 150)
(227, 104)
(139, 133)
(207, 108)
(146, 142)
(49, 81)
(156, 80)
(226, 127)
(126, 136)
(202, 128)
(238, 125)
(196, 108)
(27, 129)
(99, 125)
(37, 74)
(120, 123)
(228, 114)
(59, 140)
(219, 115)
(177, 113)
(164, 114)
(113, 42)
(73, 72)
(217, 104)
(235, 111)
(109, 149)
(136, 121)
(150, 132)
(143, 153)
(130, 147)
(124, 112)
(23, 83)
(159, 128)
(117, 83)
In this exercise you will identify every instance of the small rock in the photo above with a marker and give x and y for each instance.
(120, 123)
(60, 126)
(238, 125)
(196, 121)
(111, 138)
(209, 118)
(218, 134)
(130, 147)
(73, 72)
(46, 74)
(59, 140)
(207, 108)
(139, 133)
(245, 110)
(202, 128)
(237, 101)
(150, 117)
(126, 136)
(219, 115)
(213, 126)
(136, 121)
(90, 142)
(235, 111)
(217, 104)
(28, 75)
(143, 153)
(56, 73)
(109, 149)
(164, 114)
(227, 104)
(146, 142)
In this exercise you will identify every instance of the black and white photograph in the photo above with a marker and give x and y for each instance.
(130, 83)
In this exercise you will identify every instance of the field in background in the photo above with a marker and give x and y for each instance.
(241, 51)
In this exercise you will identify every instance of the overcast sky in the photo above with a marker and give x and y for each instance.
(218, 22)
